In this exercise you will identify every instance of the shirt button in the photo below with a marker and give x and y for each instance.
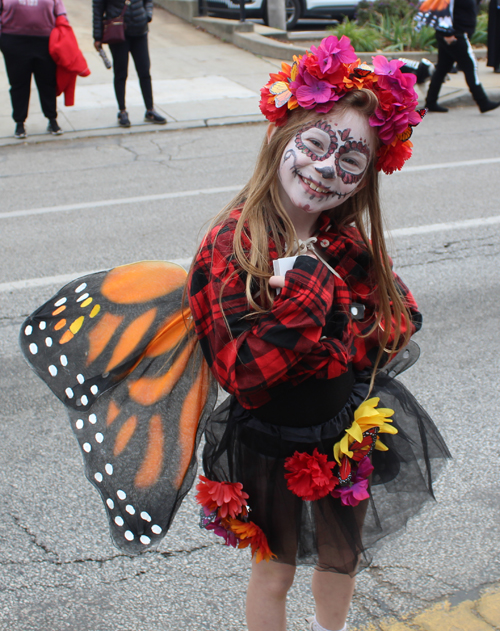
(324, 243)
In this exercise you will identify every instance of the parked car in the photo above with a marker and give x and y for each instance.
(295, 9)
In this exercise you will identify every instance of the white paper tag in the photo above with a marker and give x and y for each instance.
(282, 266)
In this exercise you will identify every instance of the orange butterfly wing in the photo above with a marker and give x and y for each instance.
(118, 349)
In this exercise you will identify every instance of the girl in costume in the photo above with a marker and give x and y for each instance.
(319, 452)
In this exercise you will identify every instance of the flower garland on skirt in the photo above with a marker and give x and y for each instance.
(309, 476)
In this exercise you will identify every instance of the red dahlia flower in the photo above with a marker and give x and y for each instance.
(310, 477)
(228, 497)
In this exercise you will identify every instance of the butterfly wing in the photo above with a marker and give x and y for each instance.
(125, 364)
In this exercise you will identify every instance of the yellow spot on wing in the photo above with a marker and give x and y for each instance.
(86, 303)
(95, 311)
(75, 326)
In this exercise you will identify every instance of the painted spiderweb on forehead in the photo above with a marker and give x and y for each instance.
(115, 347)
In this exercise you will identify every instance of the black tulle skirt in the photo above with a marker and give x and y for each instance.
(327, 533)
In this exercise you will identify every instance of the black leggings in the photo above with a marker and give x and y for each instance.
(138, 48)
(26, 55)
(462, 53)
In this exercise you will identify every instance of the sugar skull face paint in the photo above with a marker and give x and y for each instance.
(317, 140)
(324, 163)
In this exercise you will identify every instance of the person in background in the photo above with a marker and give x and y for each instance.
(138, 14)
(452, 34)
(25, 29)
(494, 35)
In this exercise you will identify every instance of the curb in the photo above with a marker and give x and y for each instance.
(139, 129)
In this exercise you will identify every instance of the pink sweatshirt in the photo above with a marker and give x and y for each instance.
(29, 17)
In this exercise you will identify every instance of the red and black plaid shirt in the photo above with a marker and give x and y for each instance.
(308, 332)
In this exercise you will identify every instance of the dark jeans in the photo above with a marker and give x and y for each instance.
(138, 48)
(26, 55)
(460, 52)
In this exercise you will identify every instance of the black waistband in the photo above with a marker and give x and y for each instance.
(311, 402)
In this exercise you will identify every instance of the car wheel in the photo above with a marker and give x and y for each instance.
(293, 12)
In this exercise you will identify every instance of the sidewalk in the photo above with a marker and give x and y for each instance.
(198, 81)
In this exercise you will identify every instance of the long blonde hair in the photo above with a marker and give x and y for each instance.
(263, 216)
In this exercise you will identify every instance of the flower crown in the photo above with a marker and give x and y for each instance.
(325, 74)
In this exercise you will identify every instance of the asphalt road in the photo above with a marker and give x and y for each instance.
(59, 569)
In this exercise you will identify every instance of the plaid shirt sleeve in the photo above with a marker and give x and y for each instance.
(350, 257)
(285, 344)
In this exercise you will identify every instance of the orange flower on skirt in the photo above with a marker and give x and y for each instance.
(250, 534)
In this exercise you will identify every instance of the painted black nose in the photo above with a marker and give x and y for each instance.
(327, 172)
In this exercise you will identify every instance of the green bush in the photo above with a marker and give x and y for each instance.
(368, 12)
(363, 38)
(480, 36)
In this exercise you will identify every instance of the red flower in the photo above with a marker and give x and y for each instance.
(228, 497)
(310, 477)
(391, 158)
(250, 534)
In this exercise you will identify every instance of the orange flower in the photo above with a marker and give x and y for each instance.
(228, 497)
(250, 534)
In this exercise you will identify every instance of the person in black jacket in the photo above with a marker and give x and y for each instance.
(138, 14)
(452, 34)
(494, 35)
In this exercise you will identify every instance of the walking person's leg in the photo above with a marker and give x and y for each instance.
(19, 67)
(468, 64)
(44, 70)
(140, 54)
(120, 52)
(445, 61)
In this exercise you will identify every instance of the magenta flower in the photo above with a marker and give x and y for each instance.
(382, 66)
(358, 491)
(312, 91)
(332, 52)
(230, 539)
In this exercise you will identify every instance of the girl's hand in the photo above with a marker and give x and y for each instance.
(97, 45)
(277, 282)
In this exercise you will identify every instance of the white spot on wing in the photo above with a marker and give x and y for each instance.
(121, 494)
(33, 348)
(145, 540)
(156, 529)
(84, 399)
(128, 535)
(69, 393)
(79, 424)
(80, 378)
(92, 419)
(98, 476)
(28, 330)
(82, 297)
(64, 360)
(130, 509)
(94, 389)
(119, 520)
(53, 370)
(80, 288)
(108, 468)
(99, 437)
(145, 516)
(42, 326)
(110, 503)
(87, 447)
(48, 342)
(60, 302)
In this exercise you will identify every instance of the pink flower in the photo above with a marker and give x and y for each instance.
(230, 538)
(358, 491)
(332, 52)
(312, 91)
(383, 66)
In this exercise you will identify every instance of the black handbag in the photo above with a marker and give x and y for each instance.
(114, 29)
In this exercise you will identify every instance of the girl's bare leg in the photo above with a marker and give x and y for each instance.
(332, 594)
(266, 595)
